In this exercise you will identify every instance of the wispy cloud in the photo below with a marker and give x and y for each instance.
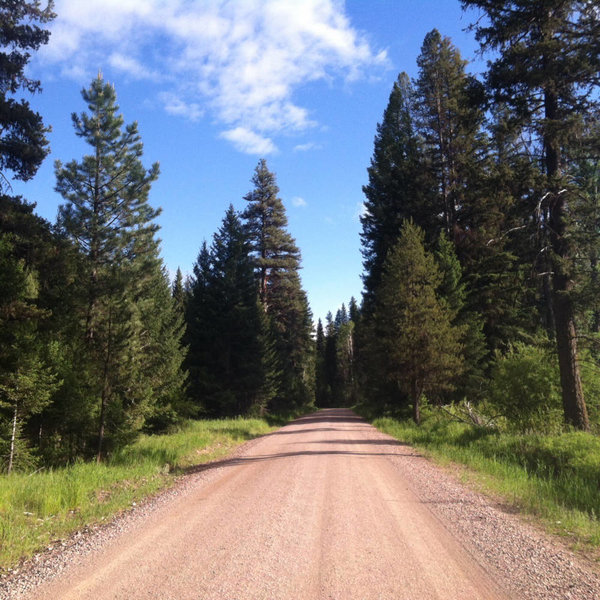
(306, 147)
(299, 202)
(174, 105)
(243, 61)
(249, 142)
(131, 66)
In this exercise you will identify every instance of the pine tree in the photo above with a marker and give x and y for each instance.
(449, 119)
(23, 143)
(277, 261)
(546, 74)
(398, 186)
(419, 348)
(274, 248)
(108, 216)
(320, 374)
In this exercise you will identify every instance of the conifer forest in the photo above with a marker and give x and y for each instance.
(480, 243)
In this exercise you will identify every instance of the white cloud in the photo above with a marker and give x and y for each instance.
(174, 105)
(249, 142)
(299, 202)
(131, 66)
(306, 147)
(242, 60)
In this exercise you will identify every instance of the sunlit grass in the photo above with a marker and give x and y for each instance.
(554, 477)
(38, 509)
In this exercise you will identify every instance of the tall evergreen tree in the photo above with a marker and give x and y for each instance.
(108, 216)
(418, 347)
(277, 260)
(449, 117)
(274, 248)
(229, 359)
(23, 143)
(178, 292)
(546, 73)
(398, 188)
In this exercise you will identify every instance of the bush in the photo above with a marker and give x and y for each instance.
(525, 388)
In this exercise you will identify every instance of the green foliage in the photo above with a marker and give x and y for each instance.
(419, 348)
(277, 262)
(550, 99)
(450, 116)
(23, 143)
(554, 477)
(525, 388)
(38, 508)
(335, 360)
(131, 352)
(399, 185)
(231, 358)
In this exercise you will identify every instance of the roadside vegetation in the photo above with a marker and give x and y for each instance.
(551, 476)
(39, 509)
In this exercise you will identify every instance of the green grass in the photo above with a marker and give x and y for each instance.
(38, 509)
(554, 477)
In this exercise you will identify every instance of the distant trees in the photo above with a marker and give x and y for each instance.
(335, 358)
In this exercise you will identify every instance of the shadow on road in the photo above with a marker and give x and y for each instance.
(326, 417)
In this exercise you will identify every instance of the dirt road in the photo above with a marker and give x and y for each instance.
(320, 509)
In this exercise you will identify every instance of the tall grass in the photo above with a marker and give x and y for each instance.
(555, 477)
(39, 509)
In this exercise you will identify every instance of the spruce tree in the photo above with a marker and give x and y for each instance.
(230, 358)
(419, 348)
(546, 74)
(399, 185)
(449, 119)
(178, 292)
(277, 261)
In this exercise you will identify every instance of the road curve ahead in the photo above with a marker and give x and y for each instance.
(315, 510)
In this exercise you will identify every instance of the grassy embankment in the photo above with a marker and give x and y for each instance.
(38, 509)
(554, 477)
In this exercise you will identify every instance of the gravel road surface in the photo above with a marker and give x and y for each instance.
(325, 508)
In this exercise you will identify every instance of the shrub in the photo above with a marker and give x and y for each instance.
(524, 388)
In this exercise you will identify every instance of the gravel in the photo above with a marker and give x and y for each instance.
(524, 560)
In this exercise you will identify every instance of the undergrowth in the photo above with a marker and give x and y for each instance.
(37, 510)
(554, 477)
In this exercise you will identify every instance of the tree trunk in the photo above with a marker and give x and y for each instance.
(574, 407)
(416, 394)
(105, 390)
(13, 437)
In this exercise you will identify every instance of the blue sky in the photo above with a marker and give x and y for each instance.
(216, 85)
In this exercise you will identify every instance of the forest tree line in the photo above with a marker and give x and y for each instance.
(479, 237)
(96, 344)
(480, 234)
